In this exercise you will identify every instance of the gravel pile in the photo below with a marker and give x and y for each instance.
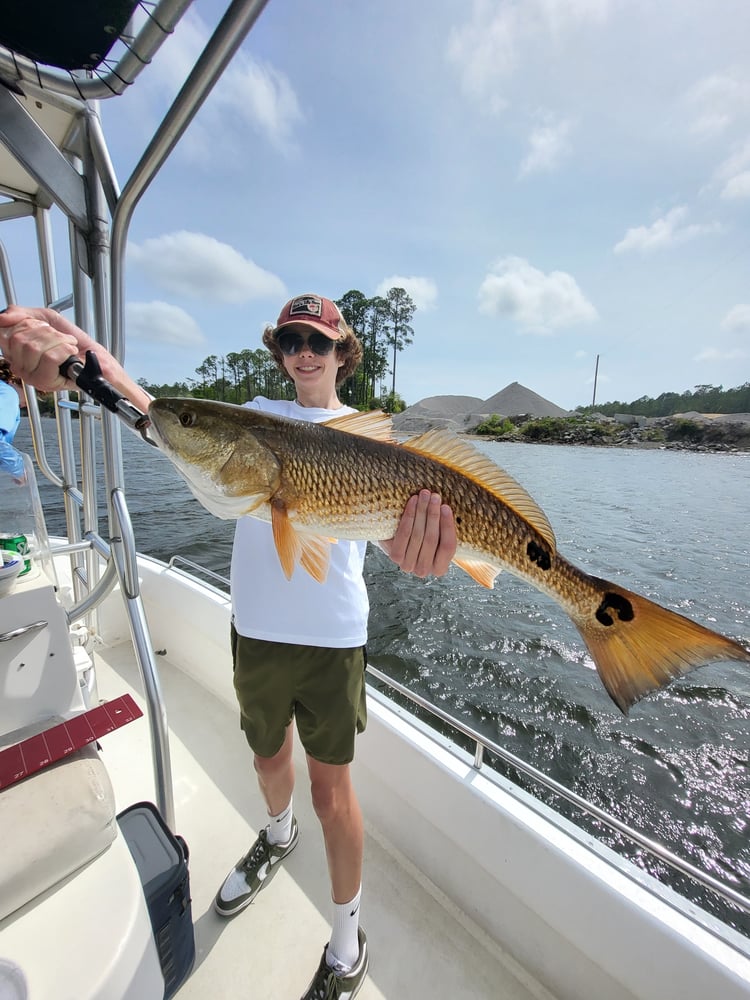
(461, 413)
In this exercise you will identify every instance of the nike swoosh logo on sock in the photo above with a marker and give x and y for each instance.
(354, 911)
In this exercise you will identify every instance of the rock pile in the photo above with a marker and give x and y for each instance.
(461, 413)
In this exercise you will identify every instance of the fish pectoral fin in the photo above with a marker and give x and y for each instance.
(483, 572)
(285, 537)
(311, 551)
(463, 457)
(315, 555)
(374, 424)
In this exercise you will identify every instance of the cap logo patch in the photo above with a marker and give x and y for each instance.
(306, 305)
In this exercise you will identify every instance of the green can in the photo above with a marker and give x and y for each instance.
(19, 544)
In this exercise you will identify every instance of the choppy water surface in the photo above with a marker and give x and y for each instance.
(670, 525)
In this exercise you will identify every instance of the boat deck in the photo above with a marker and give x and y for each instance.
(420, 944)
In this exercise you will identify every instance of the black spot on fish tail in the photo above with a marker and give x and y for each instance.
(538, 555)
(617, 603)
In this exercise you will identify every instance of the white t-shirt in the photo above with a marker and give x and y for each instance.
(268, 606)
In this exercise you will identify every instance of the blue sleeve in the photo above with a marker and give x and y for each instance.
(11, 460)
(10, 411)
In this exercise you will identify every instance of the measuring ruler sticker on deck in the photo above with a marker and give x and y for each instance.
(31, 755)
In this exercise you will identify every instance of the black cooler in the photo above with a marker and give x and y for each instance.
(161, 859)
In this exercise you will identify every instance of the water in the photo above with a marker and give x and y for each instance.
(671, 525)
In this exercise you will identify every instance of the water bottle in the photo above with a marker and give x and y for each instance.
(22, 525)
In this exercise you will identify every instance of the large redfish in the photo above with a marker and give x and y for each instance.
(346, 478)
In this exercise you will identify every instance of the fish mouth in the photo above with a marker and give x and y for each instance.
(159, 425)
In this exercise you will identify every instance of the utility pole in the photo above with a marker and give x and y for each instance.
(596, 375)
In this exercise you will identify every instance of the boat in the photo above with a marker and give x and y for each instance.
(477, 885)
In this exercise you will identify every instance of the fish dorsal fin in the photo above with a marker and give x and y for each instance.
(463, 457)
(311, 551)
(373, 424)
(483, 572)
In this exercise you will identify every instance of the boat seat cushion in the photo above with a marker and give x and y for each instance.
(53, 822)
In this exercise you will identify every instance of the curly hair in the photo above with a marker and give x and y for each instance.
(6, 375)
(348, 350)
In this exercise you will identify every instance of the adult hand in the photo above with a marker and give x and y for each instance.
(425, 540)
(37, 341)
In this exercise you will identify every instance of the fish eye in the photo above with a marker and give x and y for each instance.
(187, 418)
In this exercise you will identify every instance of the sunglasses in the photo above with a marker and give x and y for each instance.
(290, 342)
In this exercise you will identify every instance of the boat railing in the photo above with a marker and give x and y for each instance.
(484, 745)
(176, 562)
(73, 172)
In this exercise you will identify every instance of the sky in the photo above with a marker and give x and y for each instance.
(549, 180)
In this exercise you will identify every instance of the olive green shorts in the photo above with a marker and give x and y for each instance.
(322, 688)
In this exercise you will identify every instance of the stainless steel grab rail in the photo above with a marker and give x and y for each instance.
(482, 743)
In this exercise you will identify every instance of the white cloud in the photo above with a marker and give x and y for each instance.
(668, 231)
(548, 145)
(261, 96)
(718, 101)
(249, 93)
(484, 51)
(717, 354)
(538, 302)
(162, 323)
(737, 320)
(737, 187)
(200, 266)
(733, 175)
(489, 47)
(422, 291)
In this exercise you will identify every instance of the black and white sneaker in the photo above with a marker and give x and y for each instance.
(252, 872)
(333, 984)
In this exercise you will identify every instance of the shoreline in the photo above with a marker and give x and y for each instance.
(693, 433)
(705, 449)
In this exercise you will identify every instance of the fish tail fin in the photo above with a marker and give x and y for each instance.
(639, 647)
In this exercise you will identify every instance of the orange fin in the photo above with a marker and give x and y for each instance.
(315, 555)
(639, 647)
(311, 551)
(468, 460)
(483, 572)
(285, 538)
(373, 424)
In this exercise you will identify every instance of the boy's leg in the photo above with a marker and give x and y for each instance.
(256, 868)
(337, 808)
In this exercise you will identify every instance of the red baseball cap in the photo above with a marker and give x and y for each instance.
(315, 311)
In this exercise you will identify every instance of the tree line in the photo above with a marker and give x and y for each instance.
(702, 398)
(383, 325)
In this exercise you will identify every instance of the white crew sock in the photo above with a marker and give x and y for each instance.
(343, 949)
(280, 826)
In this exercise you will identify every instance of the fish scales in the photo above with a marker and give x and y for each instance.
(347, 479)
(379, 480)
